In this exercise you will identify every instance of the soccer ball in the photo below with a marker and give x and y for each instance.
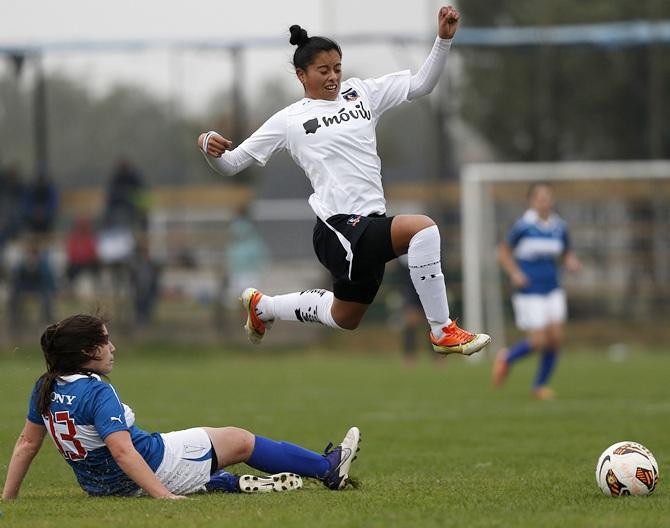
(626, 468)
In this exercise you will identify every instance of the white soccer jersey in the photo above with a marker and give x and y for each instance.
(335, 143)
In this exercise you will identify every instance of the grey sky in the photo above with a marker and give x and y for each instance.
(192, 77)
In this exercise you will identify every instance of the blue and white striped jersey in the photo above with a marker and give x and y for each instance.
(85, 410)
(537, 246)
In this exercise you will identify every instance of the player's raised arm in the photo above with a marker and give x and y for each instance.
(425, 80)
(27, 446)
(447, 22)
(131, 462)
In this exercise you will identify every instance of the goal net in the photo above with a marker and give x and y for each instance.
(618, 214)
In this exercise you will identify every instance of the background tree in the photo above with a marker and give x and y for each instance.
(577, 102)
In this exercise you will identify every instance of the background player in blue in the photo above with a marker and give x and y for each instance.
(535, 246)
(330, 134)
(96, 435)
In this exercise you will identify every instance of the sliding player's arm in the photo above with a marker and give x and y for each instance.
(131, 462)
(27, 446)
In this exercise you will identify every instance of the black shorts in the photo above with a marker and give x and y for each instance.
(369, 241)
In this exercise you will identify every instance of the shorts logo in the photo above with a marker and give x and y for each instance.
(350, 95)
(353, 220)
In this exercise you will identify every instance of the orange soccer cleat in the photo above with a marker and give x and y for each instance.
(458, 341)
(254, 326)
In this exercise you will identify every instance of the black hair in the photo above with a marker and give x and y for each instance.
(67, 346)
(309, 47)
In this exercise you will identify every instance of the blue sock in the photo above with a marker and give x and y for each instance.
(275, 457)
(521, 349)
(547, 363)
(223, 481)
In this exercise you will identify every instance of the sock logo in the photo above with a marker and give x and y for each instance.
(320, 292)
(308, 316)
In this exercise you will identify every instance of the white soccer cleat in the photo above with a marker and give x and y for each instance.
(341, 458)
(278, 482)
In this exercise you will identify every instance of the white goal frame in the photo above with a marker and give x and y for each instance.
(483, 308)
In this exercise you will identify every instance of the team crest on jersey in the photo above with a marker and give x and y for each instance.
(350, 95)
(353, 220)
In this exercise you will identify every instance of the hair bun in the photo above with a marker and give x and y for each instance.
(298, 35)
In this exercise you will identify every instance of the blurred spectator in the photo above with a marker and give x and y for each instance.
(126, 198)
(32, 275)
(40, 204)
(246, 254)
(145, 280)
(81, 250)
(11, 195)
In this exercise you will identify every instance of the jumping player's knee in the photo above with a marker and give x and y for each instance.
(403, 229)
(423, 222)
(348, 322)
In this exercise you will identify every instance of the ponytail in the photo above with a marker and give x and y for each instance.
(46, 382)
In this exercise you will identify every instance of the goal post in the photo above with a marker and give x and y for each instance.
(601, 202)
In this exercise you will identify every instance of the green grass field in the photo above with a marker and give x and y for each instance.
(440, 446)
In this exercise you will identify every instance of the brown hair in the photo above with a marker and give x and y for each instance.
(67, 345)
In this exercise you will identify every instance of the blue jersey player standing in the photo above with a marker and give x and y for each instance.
(96, 434)
(531, 256)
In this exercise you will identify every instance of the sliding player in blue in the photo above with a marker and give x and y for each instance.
(95, 433)
(535, 247)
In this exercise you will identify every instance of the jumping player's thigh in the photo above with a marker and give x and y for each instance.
(231, 444)
(404, 227)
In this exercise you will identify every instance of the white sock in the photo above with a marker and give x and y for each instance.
(425, 269)
(309, 306)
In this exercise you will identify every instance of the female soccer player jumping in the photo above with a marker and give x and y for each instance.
(330, 134)
(96, 435)
(535, 245)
